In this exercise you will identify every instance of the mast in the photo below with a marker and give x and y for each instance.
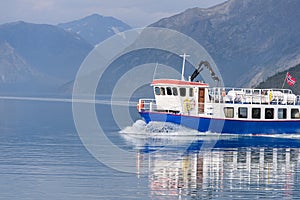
(284, 80)
(183, 65)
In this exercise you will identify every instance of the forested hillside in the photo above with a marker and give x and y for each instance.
(278, 79)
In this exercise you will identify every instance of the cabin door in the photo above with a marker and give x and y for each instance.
(201, 97)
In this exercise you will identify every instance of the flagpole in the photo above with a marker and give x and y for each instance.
(284, 80)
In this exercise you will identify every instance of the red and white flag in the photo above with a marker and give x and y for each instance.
(290, 80)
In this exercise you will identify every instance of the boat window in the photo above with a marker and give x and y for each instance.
(242, 156)
(256, 113)
(182, 92)
(191, 91)
(229, 112)
(243, 112)
(175, 91)
(264, 92)
(269, 113)
(169, 91)
(162, 91)
(295, 114)
(157, 90)
(281, 113)
(256, 91)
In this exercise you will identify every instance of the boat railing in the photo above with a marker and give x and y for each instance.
(253, 96)
(222, 95)
(150, 105)
(146, 104)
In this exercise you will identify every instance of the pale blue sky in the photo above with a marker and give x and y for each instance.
(136, 13)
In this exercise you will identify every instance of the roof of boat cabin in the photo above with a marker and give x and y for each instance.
(177, 82)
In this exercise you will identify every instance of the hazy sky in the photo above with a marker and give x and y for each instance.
(136, 13)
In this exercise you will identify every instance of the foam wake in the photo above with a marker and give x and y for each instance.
(158, 129)
(158, 134)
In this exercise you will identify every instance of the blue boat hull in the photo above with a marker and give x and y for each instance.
(203, 124)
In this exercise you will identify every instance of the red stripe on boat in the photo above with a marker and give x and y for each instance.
(177, 82)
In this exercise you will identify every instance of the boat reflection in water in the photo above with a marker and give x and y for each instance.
(240, 167)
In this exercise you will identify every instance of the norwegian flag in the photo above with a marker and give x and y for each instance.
(290, 80)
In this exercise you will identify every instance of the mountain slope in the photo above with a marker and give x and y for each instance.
(17, 76)
(43, 50)
(12, 67)
(95, 28)
(278, 80)
(248, 39)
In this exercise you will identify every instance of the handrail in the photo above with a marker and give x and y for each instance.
(222, 95)
(146, 104)
(253, 96)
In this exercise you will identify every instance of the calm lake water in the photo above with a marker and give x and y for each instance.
(42, 157)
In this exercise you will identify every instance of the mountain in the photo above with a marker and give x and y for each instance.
(249, 40)
(39, 53)
(10, 63)
(48, 48)
(95, 28)
(277, 80)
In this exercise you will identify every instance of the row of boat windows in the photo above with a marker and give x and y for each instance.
(173, 91)
(256, 113)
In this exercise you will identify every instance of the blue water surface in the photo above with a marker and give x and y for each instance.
(42, 157)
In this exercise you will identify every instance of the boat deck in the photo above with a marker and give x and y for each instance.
(221, 95)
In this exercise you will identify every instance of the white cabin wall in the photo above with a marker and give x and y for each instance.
(166, 102)
(178, 102)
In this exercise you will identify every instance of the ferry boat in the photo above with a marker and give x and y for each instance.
(198, 106)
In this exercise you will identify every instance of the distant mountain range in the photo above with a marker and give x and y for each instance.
(95, 28)
(249, 40)
(35, 57)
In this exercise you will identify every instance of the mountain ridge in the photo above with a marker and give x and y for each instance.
(41, 57)
(39, 53)
(249, 40)
(95, 28)
(244, 37)
(278, 80)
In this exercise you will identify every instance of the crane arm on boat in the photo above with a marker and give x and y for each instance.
(200, 68)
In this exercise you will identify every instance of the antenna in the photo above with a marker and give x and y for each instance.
(155, 70)
(183, 65)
